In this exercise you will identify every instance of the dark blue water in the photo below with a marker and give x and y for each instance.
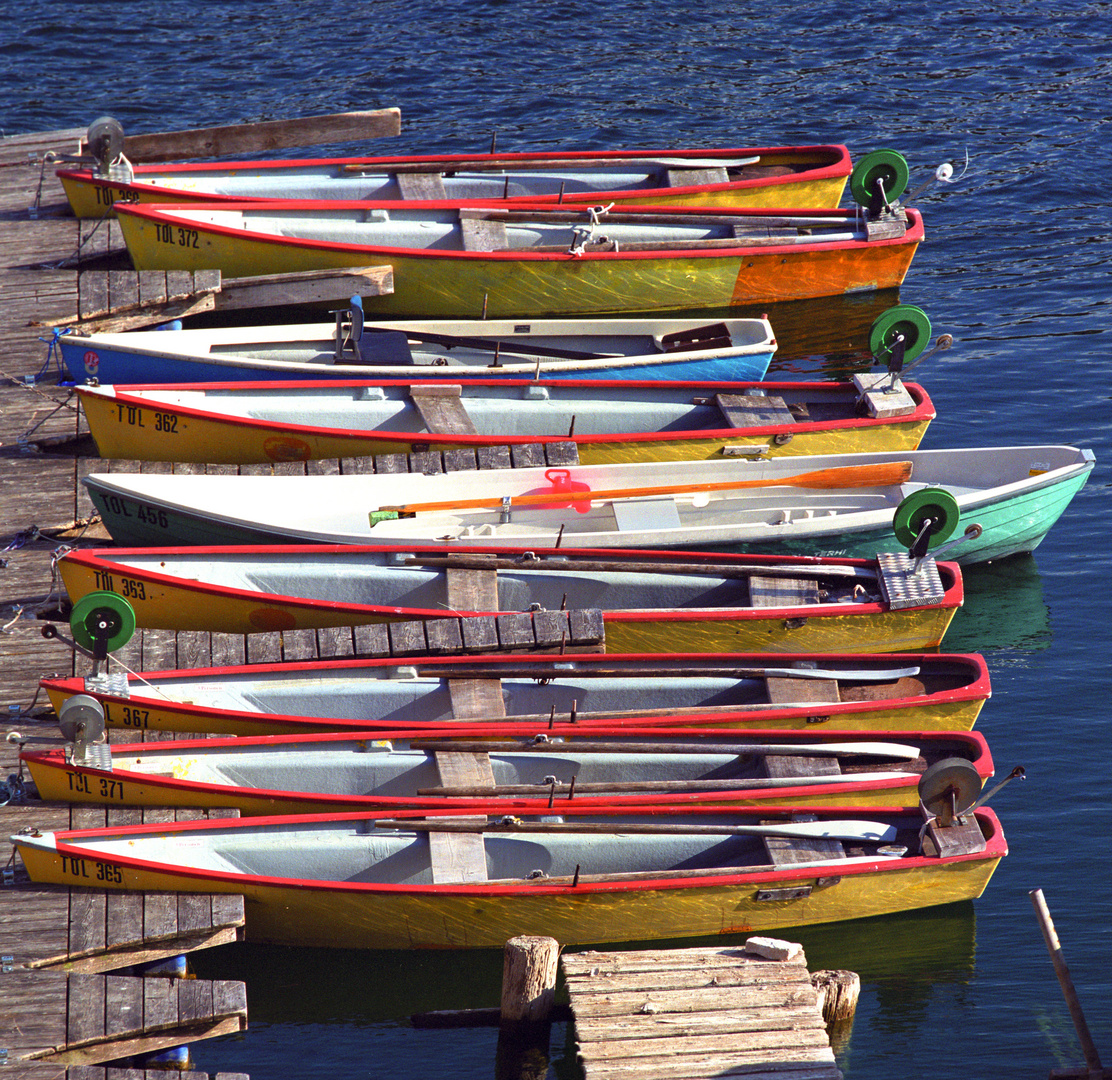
(1015, 267)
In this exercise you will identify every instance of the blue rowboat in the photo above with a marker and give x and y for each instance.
(649, 348)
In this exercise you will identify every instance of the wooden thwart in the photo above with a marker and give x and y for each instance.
(442, 410)
(459, 856)
(754, 410)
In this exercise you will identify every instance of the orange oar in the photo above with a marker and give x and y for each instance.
(884, 474)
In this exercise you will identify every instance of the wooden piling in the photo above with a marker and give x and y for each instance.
(1092, 1059)
(529, 980)
(837, 992)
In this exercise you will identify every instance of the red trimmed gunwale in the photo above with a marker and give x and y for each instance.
(839, 166)
(105, 559)
(978, 749)
(924, 409)
(69, 844)
(978, 687)
(162, 213)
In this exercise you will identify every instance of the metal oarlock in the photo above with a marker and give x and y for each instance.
(971, 533)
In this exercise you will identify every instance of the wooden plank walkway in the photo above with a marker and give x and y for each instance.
(61, 993)
(701, 1012)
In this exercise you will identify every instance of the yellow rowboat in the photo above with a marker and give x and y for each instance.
(418, 879)
(297, 774)
(607, 421)
(892, 692)
(453, 260)
(781, 176)
(632, 601)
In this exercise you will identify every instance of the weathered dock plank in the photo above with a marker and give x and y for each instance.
(64, 944)
(684, 1013)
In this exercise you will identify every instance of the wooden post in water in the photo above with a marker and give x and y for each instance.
(837, 992)
(1092, 1058)
(528, 995)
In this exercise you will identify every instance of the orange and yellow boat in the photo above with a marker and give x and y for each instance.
(472, 260)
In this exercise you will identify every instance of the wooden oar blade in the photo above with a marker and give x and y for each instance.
(882, 474)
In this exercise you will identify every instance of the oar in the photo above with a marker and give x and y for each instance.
(870, 832)
(883, 474)
(622, 564)
(526, 161)
(851, 749)
(618, 787)
(522, 348)
(666, 672)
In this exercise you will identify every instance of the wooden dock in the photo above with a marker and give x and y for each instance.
(702, 1012)
(70, 999)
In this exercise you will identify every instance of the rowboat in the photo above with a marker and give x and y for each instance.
(891, 692)
(607, 421)
(834, 505)
(649, 601)
(466, 261)
(783, 176)
(351, 348)
(419, 879)
(504, 773)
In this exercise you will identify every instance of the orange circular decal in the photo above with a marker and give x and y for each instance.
(272, 619)
(285, 448)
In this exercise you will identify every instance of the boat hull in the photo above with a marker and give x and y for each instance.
(217, 423)
(329, 773)
(181, 357)
(347, 696)
(182, 596)
(443, 283)
(1015, 515)
(485, 915)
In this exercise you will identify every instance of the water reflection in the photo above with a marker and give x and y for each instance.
(324, 986)
(1004, 609)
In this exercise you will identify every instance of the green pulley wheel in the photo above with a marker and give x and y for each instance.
(102, 616)
(914, 511)
(903, 320)
(950, 783)
(886, 165)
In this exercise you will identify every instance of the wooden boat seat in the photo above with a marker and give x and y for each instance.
(472, 589)
(754, 410)
(442, 410)
(461, 856)
(483, 234)
(783, 691)
(692, 177)
(782, 592)
(421, 185)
